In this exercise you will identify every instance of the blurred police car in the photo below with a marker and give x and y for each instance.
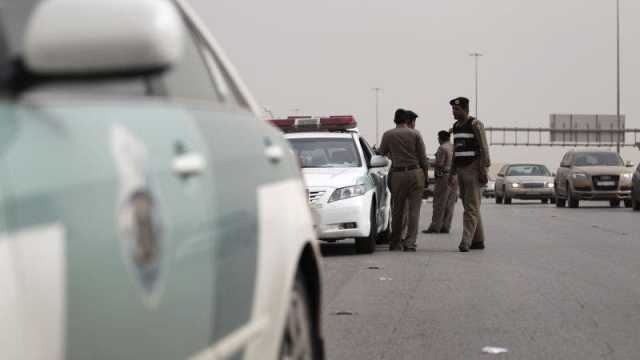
(129, 226)
(346, 182)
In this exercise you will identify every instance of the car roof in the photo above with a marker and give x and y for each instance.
(319, 135)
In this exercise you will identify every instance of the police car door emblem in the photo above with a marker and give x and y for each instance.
(138, 216)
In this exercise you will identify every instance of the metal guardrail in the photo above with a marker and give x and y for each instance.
(542, 137)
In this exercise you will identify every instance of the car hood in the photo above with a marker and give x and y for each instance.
(331, 177)
(529, 179)
(601, 170)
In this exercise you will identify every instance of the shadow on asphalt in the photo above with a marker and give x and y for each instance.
(348, 249)
(338, 248)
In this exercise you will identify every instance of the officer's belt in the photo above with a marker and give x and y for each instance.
(404, 168)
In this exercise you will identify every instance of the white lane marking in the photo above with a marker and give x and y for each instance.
(494, 350)
(33, 293)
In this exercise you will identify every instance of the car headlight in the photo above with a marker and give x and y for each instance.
(627, 176)
(550, 185)
(347, 192)
(580, 176)
(515, 185)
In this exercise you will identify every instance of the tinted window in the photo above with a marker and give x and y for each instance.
(597, 159)
(366, 150)
(326, 153)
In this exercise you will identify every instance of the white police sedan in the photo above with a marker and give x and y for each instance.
(129, 228)
(346, 181)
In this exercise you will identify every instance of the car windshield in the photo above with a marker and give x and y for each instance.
(326, 152)
(528, 170)
(598, 159)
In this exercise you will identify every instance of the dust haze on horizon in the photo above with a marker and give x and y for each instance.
(540, 57)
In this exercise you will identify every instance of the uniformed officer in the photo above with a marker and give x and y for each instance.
(444, 194)
(405, 147)
(470, 163)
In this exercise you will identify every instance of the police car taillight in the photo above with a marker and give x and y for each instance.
(308, 123)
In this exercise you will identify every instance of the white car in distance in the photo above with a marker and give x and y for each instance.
(346, 182)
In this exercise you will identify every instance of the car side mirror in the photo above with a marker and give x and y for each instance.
(103, 37)
(565, 165)
(629, 164)
(500, 175)
(378, 161)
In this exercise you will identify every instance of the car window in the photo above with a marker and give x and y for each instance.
(528, 170)
(598, 159)
(366, 150)
(190, 79)
(326, 152)
(14, 18)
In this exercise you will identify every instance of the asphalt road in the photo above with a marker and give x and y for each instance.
(551, 284)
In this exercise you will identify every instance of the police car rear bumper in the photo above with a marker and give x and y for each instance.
(343, 219)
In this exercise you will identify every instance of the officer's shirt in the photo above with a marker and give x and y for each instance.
(405, 147)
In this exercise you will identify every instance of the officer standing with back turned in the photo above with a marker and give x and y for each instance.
(470, 164)
(405, 147)
(445, 195)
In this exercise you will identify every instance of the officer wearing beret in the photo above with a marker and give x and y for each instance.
(470, 164)
(405, 147)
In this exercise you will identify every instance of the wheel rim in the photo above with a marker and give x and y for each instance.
(297, 340)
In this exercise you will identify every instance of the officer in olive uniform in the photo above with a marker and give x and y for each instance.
(470, 163)
(445, 195)
(405, 147)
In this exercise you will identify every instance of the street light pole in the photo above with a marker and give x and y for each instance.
(377, 91)
(618, 75)
(476, 55)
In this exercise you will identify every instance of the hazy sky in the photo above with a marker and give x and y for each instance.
(541, 57)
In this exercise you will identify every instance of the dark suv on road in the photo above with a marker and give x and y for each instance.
(593, 175)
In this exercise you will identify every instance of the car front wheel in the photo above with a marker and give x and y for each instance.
(300, 340)
(614, 203)
(560, 202)
(571, 198)
(367, 245)
(635, 204)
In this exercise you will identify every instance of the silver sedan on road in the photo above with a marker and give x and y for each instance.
(524, 181)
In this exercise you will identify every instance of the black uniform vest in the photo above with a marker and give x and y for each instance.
(466, 146)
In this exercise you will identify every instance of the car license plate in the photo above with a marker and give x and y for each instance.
(606, 183)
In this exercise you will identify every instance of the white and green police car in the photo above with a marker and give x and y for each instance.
(346, 182)
(129, 228)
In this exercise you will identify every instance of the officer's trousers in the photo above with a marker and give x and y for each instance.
(407, 186)
(444, 201)
(469, 182)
